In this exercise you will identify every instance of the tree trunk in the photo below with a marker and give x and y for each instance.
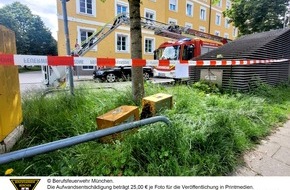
(136, 50)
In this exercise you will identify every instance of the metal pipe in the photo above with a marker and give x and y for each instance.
(55, 145)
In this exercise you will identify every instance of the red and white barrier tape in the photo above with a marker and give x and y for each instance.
(233, 62)
(36, 60)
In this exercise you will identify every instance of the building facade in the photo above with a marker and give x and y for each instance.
(88, 16)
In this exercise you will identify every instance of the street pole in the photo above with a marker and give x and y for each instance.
(65, 22)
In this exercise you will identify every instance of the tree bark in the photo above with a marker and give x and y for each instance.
(136, 50)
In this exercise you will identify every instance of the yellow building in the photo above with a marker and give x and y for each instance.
(88, 16)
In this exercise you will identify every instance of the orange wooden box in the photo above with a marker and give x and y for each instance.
(120, 115)
(153, 104)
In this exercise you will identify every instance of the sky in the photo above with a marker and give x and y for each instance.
(46, 9)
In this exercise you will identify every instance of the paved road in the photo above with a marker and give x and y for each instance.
(33, 81)
(30, 81)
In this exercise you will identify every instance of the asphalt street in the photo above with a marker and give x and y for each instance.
(30, 81)
(33, 82)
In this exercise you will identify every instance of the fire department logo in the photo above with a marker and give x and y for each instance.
(25, 184)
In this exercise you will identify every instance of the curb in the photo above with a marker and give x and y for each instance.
(11, 139)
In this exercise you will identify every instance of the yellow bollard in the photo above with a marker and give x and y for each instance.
(10, 99)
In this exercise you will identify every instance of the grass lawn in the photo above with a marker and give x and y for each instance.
(210, 132)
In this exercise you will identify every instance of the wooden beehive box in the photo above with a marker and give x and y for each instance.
(120, 115)
(153, 104)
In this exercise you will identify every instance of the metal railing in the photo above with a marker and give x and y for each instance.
(55, 145)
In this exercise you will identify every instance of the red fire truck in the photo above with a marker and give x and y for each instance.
(184, 49)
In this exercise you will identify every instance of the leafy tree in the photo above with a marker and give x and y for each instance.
(136, 50)
(32, 37)
(251, 16)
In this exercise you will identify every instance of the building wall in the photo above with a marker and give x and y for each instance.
(105, 12)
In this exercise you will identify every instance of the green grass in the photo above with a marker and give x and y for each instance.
(210, 132)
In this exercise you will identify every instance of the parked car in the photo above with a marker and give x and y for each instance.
(119, 74)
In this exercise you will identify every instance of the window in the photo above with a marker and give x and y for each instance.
(188, 52)
(188, 25)
(173, 5)
(189, 8)
(235, 31)
(88, 68)
(173, 25)
(202, 14)
(206, 49)
(202, 29)
(122, 42)
(84, 34)
(228, 4)
(226, 35)
(227, 23)
(172, 21)
(150, 14)
(217, 33)
(86, 7)
(218, 19)
(149, 45)
(219, 3)
(121, 7)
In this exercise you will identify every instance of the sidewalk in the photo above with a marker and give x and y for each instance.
(83, 78)
(271, 158)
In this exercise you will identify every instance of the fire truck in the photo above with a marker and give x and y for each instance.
(54, 76)
(185, 49)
